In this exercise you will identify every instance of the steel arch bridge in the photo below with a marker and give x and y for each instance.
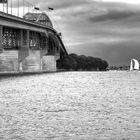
(29, 44)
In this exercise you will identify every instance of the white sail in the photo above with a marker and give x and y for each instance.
(131, 65)
(134, 65)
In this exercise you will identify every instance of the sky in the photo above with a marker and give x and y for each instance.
(108, 29)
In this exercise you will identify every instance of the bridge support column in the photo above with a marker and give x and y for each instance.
(32, 62)
(24, 48)
(1, 35)
(21, 45)
(28, 38)
(21, 41)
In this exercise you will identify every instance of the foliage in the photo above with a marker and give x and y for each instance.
(67, 63)
(120, 67)
(81, 62)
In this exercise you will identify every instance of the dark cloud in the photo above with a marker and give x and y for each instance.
(115, 53)
(114, 15)
(121, 52)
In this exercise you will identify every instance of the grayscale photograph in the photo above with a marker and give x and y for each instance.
(69, 70)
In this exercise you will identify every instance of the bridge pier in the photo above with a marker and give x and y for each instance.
(27, 53)
(24, 47)
(9, 62)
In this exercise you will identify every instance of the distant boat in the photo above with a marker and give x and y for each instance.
(134, 65)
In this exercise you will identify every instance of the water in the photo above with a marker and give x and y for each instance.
(71, 106)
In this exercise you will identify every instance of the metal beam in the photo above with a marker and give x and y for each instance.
(6, 20)
(18, 25)
(1, 35)
(21, 38)
(28, 38)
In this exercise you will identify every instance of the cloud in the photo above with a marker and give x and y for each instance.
(114, 15)
(117, 53)
(124, 1)
(63, 4)
(121, 52)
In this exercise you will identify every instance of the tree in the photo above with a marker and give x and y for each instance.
(82, 62)
(67, 63)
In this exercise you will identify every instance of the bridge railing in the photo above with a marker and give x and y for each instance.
(16, 7)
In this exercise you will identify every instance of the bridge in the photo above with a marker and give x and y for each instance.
(29, 44)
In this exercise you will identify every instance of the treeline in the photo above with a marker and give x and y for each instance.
(81, 62)
(121, 67)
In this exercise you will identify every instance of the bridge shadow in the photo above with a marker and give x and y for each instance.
(10, 75)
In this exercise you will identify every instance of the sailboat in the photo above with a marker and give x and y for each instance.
(134, 65)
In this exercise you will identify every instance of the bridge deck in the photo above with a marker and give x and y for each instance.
(17, 22)
(20, 23)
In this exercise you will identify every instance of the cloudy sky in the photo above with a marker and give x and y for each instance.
(109, 29)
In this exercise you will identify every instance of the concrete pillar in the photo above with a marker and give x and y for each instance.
(1, 35)
(20, 51)
(24, 49)
(41, 64)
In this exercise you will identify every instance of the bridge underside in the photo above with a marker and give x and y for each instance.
(28, 50)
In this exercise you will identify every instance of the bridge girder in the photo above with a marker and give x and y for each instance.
(7, 20)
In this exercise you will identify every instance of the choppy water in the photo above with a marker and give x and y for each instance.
(71, 106)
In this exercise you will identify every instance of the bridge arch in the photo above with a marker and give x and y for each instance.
(41, 18)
